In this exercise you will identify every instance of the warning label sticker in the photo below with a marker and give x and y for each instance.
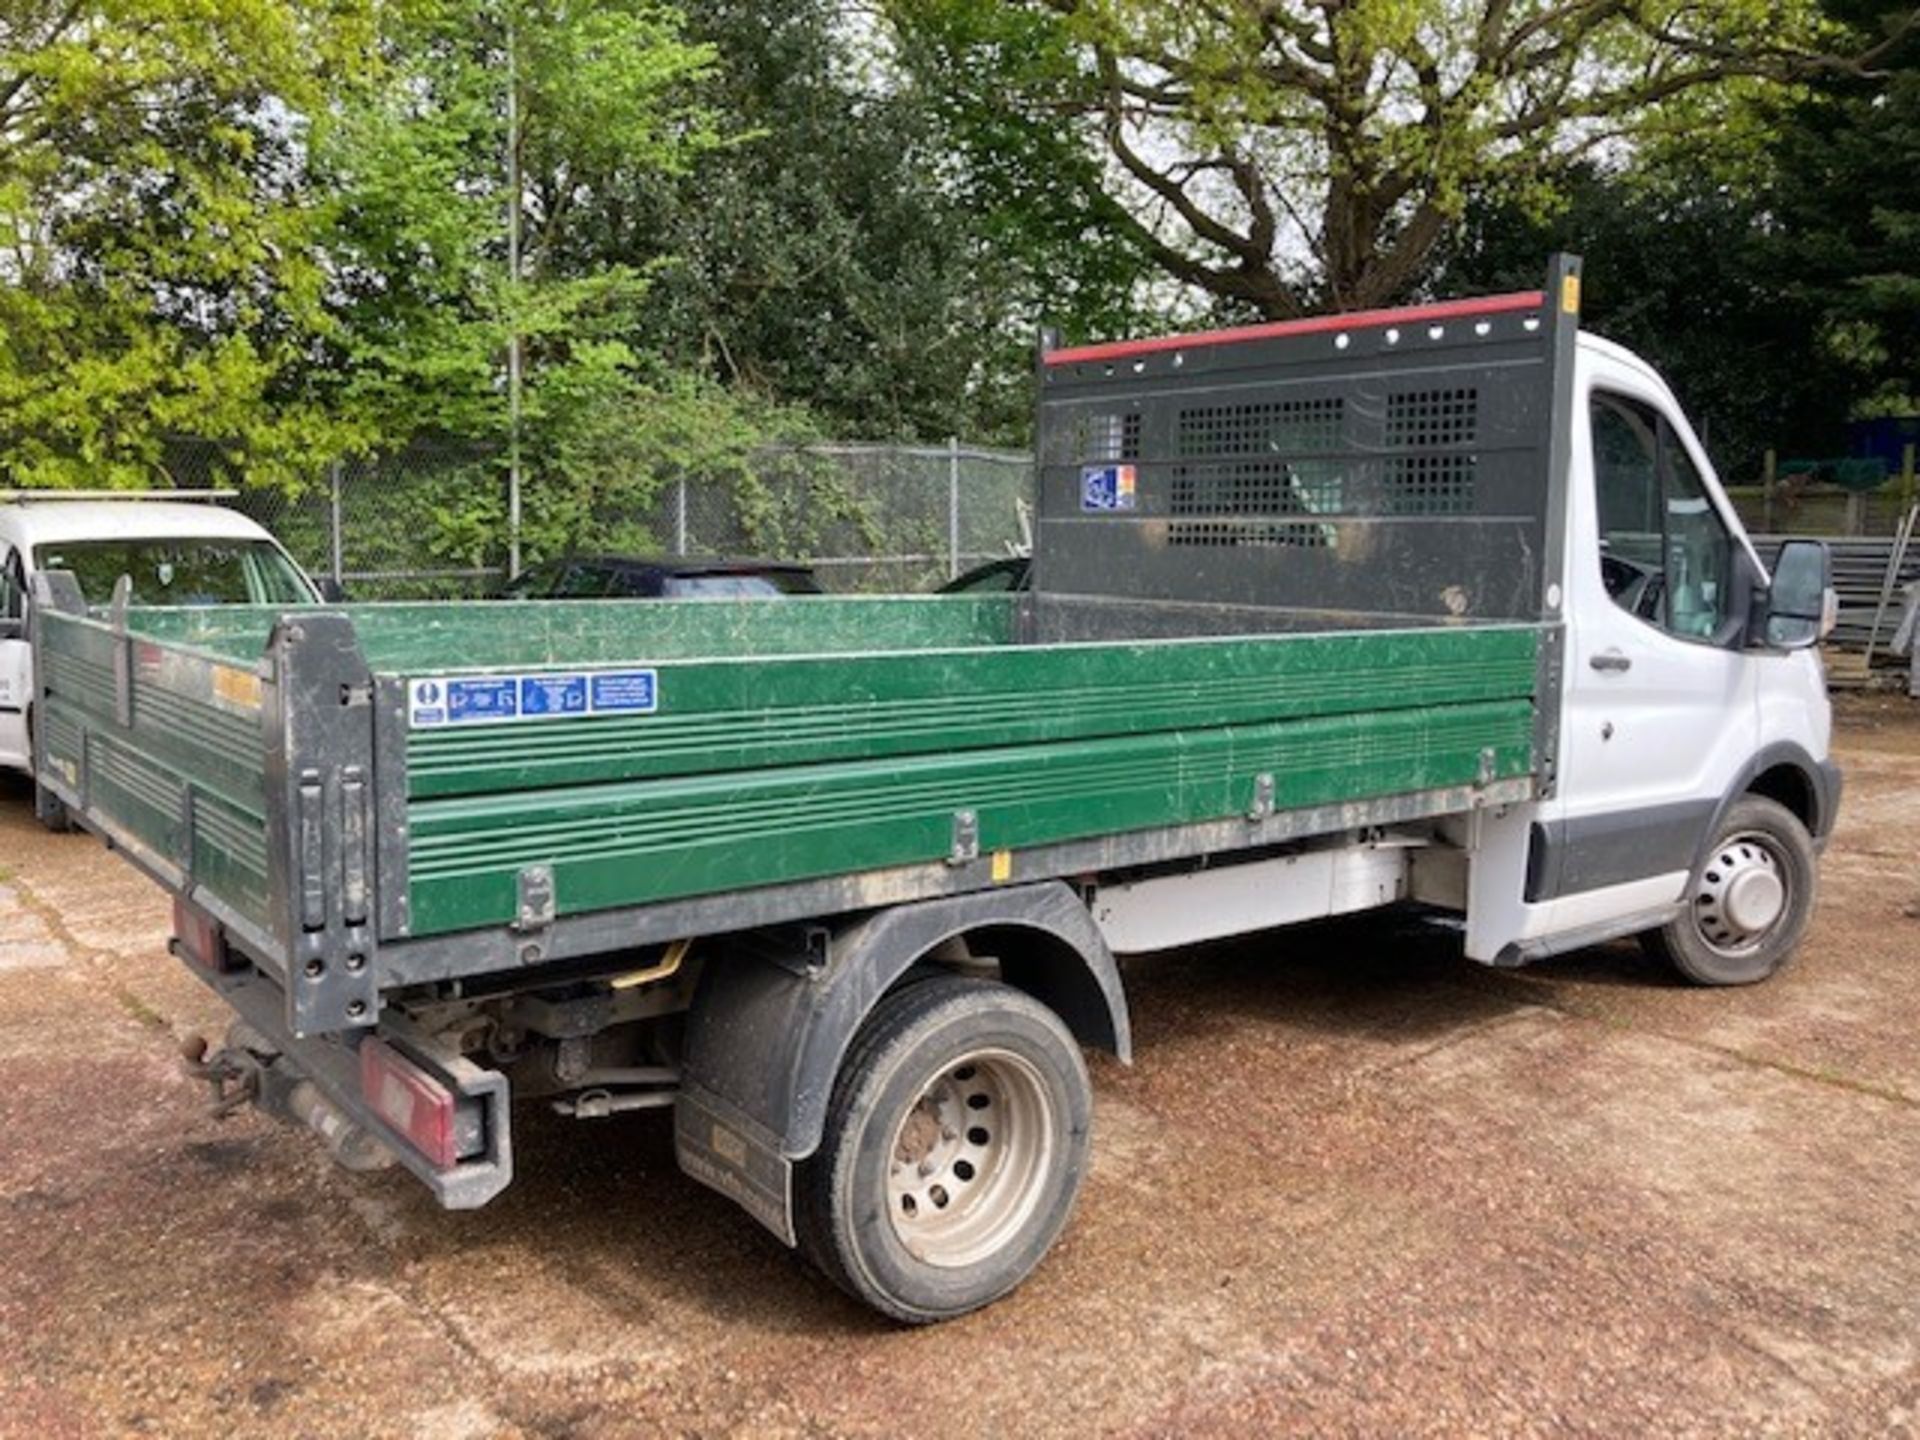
(441, 700)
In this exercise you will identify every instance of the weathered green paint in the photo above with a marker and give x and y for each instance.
(793, 739)
(640, 841)
(723, 715)
(186, 778)
(400, 639)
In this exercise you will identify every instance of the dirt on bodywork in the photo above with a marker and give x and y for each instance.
(1354, 1184)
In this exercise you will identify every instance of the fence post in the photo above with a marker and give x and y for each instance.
(1769, 477)
(1907, 477)
(337, 546)
(953, 506)
(680, 516)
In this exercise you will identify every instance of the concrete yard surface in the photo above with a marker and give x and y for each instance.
(1353, 1185)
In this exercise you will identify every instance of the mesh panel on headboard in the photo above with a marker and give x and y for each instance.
(1379, 470)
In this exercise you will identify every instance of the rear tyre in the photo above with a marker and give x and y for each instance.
(954, 1146)
(1748, 904)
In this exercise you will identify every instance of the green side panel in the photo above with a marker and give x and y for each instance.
(506, 634)
(634, 842)
(731, 715)
(186, 778)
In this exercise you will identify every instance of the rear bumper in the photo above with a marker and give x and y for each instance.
(332, 1065)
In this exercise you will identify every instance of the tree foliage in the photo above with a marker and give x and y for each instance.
(835, 251)
(157, 241)
(1281, 156)
(1776, 282)
(424, 301)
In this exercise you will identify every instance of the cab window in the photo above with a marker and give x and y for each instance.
(1665, 554)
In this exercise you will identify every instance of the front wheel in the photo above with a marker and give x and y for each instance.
(1748, 904)
(954, 1147)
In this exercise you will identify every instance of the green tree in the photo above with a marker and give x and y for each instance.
(424, 300)
(837, 252)
(1283, 157)
(1776, 283)
(158, 262)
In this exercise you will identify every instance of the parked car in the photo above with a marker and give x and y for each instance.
(627, 577)
(176, 552)
(996, 577)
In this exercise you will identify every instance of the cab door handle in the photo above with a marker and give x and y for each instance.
(1612, 660)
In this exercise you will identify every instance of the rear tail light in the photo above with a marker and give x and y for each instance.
(415, 1104)
(198, 938)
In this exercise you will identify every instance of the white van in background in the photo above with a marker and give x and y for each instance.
(177, 548)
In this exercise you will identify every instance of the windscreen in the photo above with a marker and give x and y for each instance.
(690, 587)
(179, 571)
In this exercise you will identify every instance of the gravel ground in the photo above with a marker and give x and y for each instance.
(1353, 1185)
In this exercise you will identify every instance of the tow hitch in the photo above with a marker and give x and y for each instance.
(247, 1070)
(233, 1075)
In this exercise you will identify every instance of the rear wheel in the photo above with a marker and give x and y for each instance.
(1748, 904)
(954, 1147)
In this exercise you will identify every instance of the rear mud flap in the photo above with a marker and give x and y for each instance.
(725, 1151)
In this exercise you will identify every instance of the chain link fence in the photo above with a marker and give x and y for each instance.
(431, 521)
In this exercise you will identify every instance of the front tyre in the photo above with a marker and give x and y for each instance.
(954, 1146)
(1749, 903)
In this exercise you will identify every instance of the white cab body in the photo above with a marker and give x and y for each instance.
(1667, 714)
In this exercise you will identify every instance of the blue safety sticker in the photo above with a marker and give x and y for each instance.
(1108, 487)
(544, 695)
(491, 699)
(635, 692)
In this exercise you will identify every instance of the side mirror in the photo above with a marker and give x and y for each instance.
(1801, 605)
(331, 590)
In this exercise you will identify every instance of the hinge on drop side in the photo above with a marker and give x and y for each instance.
(534, 910)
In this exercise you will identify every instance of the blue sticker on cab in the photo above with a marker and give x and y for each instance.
(1108, 487)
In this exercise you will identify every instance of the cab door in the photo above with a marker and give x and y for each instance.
(16, 665)
(1660, 703)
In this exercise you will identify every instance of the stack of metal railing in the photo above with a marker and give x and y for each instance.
(1871, 588)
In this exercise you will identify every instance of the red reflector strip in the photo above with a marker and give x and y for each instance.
(415, 1104)
(199, 937)
(1317, 325)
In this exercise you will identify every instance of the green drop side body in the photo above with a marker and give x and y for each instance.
(792, 740)
(1302, 583)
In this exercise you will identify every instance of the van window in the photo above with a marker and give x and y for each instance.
(1665, 554)
(183, 571)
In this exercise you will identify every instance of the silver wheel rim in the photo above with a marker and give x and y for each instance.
(1743, 894)
(968, 1163)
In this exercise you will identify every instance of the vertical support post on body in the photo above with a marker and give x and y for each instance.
(337, 548)
(953, 506)
(1909, 484)
(680, 516)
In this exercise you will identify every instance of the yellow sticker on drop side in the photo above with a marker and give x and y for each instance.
(238, 688)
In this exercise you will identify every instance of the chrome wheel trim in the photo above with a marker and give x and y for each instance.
(967, 1165)
(1743, 894)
